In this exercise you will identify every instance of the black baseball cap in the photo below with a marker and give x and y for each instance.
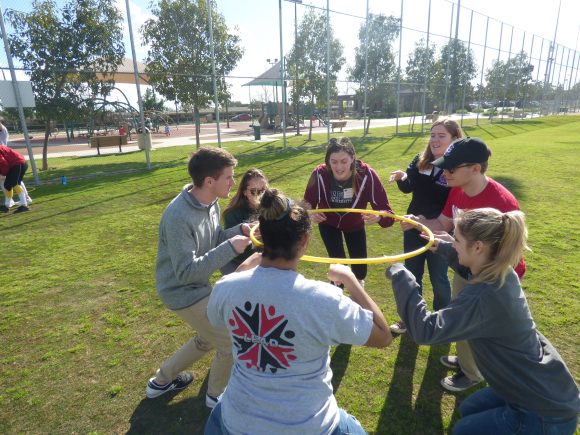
(466, 150)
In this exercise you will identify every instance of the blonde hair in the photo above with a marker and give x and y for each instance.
(504, 233)
(452, 127)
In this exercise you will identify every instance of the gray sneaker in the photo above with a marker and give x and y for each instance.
(450, 361)
(398, 327)
(179, 383)
(458, 382)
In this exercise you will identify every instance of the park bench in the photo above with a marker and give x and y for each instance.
(108, 141)
(337, 124)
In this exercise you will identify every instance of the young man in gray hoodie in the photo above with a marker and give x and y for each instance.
(192, 245)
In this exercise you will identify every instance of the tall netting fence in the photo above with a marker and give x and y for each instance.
(296, 69)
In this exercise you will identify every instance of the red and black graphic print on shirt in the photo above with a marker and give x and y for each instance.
(261, 337)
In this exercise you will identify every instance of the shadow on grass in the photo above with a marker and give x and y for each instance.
(338, 364)
(161, 415)
(404, 413)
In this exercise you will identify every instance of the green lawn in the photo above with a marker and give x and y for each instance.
(82, 329)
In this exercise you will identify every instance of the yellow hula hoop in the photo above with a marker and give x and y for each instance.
(372, 260)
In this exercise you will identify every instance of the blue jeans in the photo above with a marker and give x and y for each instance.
(437, 269)
(348, 425)
(484, 412)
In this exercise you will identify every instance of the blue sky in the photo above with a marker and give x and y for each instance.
(257, 23)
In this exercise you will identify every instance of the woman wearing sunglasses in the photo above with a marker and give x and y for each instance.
(243, 208)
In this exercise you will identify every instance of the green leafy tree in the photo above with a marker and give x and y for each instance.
(421, 68)
(179, 58)
(381, 65)
(151, 103)
(307, 62)
(510, 78)
(454, 71)
(70, 55)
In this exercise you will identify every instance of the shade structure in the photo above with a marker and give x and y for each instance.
(270, 78)
(125, 73)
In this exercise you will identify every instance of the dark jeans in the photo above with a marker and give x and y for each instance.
(356, 243)
(484, 412)
(437, 265)
(15, 175)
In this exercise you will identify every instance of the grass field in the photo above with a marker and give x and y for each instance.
(82, 328)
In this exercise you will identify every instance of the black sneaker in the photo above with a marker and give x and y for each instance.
(458, 382)
(4, 209)
(21, 209)
(450, 361)
(179, 383)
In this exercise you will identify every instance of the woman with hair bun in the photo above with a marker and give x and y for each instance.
(282, 325)
(530, 389)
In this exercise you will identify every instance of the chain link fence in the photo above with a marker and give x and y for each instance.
(376, 64)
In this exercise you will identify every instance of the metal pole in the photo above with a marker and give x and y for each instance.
(424, 102)
(448, 59)
(282, 75)
(399, 72)
(507, 81)
(297, 113)
(465, 84)
(18, 99)
(365, 129)
(482, 72)
(215, 90)
(145, 135)
(328, 70)
(495, 84)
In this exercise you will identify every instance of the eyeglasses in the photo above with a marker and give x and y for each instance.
(255, 191)
(452, 170)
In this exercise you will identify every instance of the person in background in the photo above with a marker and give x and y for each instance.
(13, 166)
(531, 391)
(192, 245)
(345, 182)
(430, 191)
(244, 208)
(281, 326)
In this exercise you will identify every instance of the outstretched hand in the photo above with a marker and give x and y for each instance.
(440, 236)
(341, 274)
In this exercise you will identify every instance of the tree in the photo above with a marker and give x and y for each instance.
(421, 67)
(179, 59)
(455, 69)
(150, 101)
(307, 62)
(381, 66)
(509, 78)
(70, 54)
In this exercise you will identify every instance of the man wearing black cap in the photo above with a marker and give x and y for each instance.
(464, 165)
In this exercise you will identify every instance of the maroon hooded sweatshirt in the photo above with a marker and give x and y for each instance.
(369, 190)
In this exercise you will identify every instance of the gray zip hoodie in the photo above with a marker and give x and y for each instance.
(192, 245)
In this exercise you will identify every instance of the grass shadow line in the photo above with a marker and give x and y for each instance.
(339, 363)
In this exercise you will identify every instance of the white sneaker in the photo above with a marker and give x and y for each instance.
(361, 282)
(211, 401)
(398, 327)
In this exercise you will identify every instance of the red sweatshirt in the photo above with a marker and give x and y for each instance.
(9, 158)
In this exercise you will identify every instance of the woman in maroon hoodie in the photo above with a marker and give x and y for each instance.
(345, 182)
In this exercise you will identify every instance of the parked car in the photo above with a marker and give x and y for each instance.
(242, 117)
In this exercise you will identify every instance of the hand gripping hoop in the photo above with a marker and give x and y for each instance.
(372, 260)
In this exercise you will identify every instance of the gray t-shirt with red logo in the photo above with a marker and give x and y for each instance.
(282, 325)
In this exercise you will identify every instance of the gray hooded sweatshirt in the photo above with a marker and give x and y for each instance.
(192, 245)
(516, 360)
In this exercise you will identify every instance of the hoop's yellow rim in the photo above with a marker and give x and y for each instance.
(372, 260)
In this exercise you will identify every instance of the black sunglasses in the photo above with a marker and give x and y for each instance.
(452, 170)
(255, 191)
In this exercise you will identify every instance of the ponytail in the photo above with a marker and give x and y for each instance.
(283, 224)
(504, 233)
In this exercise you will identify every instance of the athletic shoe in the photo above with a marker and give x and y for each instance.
(21, 209)
(179, 383)
(362, 283)
(4, 209)
(399, 327)
(450, 361)
(458, 382)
